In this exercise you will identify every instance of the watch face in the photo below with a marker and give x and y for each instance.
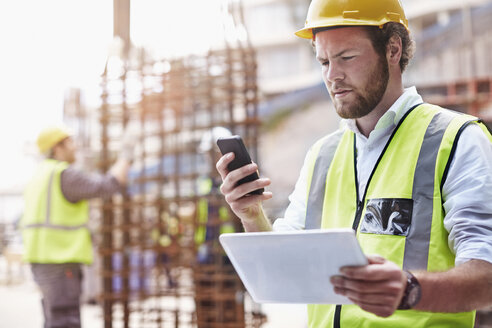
(414, 291)
(413, 295)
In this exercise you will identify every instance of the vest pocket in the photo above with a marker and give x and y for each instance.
(387, 216)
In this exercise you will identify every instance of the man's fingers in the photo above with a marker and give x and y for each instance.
(391, 287)
(374, 299)
(376, 287)
(246, 203)
(375, 259)
(242, 172)
(222, 163)
(245, 188)
(382, 302)
(384, 310)
(231, 178)
(375, 272)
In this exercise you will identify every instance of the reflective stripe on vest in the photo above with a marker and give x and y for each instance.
(317, 189)
(438, 130)
(416, 253)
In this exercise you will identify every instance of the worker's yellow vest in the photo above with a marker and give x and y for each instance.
(53, 229)
(226, 225)
(401, 214)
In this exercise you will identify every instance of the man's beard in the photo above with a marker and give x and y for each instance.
(368, 98)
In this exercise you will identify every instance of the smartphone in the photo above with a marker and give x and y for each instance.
(234, 144)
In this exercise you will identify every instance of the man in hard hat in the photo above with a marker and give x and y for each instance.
(413, 180)
(56, 238)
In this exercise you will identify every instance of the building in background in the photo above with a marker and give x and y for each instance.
(452, 66)
(285, 62)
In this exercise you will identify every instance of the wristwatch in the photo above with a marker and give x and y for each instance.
(412, 294)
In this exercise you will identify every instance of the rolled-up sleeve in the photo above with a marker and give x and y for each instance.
(467, 195)
(77, 185)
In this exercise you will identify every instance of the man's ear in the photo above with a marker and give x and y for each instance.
(55, 150)
(394, 50)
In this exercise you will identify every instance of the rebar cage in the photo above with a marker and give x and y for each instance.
(153, 236)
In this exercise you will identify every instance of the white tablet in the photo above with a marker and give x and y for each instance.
(293, 266)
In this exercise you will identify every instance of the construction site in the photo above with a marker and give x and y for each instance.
(157, 258)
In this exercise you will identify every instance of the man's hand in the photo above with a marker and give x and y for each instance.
(121, 167)
(129, 140)
(377, 287)
(247, 207)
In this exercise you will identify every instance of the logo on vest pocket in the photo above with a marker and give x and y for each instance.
(387, 216)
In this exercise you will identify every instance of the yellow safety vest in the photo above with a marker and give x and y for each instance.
(400, 216)
(226, 225)
(54, 230)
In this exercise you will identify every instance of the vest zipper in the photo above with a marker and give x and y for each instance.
(336, 321)
(358, 214)
(358, 201)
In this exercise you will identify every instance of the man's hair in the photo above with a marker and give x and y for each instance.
(380, 37)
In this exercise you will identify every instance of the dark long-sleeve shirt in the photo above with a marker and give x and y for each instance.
(77, 185)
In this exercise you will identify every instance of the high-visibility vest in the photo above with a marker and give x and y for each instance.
(400, 216)
(205, 186)
(54, 230)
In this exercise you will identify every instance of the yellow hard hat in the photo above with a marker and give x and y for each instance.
(325, 13)
(52, 135)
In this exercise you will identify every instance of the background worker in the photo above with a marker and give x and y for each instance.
(413, 180)
(213, 216)
(56, 238)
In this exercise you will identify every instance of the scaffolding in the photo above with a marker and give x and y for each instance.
(452, 66)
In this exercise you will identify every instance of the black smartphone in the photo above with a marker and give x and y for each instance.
(235, 144)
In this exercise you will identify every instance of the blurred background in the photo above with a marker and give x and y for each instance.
(175, 70)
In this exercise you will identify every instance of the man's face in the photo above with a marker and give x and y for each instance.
(354, 74)
(67, 150)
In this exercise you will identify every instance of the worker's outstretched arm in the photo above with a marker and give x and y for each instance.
(379, 287)
(247, 207)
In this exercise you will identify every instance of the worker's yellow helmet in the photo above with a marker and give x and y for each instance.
(52, 135)
(326, 13)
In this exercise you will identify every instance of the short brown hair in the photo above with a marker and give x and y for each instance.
(380, 37)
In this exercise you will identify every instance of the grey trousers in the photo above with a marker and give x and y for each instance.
(61, 287)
